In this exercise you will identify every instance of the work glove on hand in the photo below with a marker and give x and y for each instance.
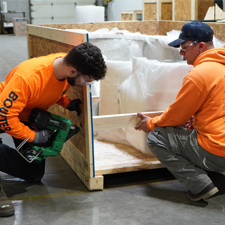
(74, 106)
(42, 136)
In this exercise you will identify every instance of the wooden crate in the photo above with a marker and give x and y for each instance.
(135, 15)
(157, 9)
(92, 159)
(175, 9)
(191, 9)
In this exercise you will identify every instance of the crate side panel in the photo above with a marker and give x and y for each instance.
(42, 46)
(144, 27)
(182, 10)
(150, 11)
(202, 8)
(166, 10)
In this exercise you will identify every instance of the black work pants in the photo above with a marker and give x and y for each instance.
(14, 164)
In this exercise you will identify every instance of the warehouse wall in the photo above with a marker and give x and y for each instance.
(16, 5)
(55, 11)
(116, 6)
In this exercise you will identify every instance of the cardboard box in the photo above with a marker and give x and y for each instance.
(19, 26)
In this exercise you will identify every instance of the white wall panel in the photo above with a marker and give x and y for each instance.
(55, 11)
(48, 11)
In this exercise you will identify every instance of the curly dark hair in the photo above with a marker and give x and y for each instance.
(87, 59)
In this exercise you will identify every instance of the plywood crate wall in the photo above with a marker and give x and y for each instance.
(175, 9)
(135, 15)
(191, 9)
(84, 154)
(157, 9)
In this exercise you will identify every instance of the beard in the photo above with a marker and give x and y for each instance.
(72, 81)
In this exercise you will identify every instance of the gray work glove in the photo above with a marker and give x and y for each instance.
(42, 136)
(74, 106)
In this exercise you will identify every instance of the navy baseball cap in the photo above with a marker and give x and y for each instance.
(193, 31)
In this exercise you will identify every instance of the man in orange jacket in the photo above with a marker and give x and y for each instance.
(39, 83)
(189, 153)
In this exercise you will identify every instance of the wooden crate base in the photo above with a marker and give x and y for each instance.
(118, 158)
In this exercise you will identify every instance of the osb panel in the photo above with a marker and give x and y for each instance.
(127, 17)
(166, 26)
(144, 27)
(182, 9)
(219, 29)
(42, 46)
(150, 11)
(166, 11)
(79, 139)
(202, 8)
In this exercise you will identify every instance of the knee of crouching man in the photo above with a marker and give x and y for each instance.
(157, 138)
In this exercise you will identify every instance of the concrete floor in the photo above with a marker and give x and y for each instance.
(141, 198)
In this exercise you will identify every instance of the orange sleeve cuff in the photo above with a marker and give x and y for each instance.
(64, 101)
(150, 125)
(32, 135)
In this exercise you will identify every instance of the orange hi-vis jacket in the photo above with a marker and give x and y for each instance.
(32, 84)
(203, 96)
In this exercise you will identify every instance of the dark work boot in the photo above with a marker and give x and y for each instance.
(6, 206)
(208, 192)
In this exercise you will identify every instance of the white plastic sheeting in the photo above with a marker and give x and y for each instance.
(119, 49)
(124, 46)
(117, 72)
(121, 45)
(152, 86)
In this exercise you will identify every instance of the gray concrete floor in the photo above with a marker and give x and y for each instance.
(142, 198)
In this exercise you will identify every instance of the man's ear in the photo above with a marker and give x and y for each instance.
(73, 72)
(201, 47)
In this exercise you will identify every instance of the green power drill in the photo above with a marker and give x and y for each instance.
(62, 130)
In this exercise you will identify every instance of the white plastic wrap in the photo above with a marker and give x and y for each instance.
(119, 49)
(152, 86)
(217, 43)
(119, 45)
(155, 50)
(117, 72)
(160, 50)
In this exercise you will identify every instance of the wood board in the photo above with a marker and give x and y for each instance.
(118, 158)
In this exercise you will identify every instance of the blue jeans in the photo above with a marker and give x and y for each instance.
(178, 150)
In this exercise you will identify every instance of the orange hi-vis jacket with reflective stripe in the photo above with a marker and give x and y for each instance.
(32, 84)
(203, 96)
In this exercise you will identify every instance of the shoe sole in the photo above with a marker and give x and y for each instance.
(7, 213)
(206, 195)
